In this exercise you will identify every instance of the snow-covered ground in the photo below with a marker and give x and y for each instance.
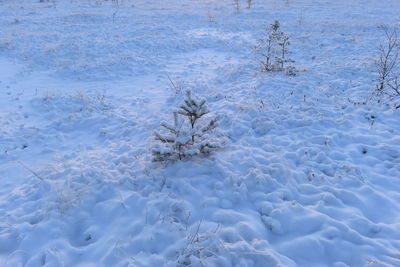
(310, 174)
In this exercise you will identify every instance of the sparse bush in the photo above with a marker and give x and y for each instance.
(237, 5)
(274, 50)
(190, 135)
(388, 67)
(201, 246)
(177, 85)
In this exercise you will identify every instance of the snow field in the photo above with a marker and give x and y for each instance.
(309, 176)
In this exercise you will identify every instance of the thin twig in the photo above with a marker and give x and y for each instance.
(32, 171)
(173, 84)
(115, 12)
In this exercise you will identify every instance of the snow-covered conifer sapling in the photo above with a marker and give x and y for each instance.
(190, 135)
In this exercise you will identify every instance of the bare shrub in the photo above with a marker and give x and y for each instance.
(388, 67)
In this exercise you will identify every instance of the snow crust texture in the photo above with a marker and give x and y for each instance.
(309, 175)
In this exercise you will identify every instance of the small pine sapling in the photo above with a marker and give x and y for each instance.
(193, 110)
(190, 135)
(274, 50)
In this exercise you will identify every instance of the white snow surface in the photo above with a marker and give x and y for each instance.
(309, 176)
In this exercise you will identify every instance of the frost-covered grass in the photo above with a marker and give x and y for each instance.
(308, 176)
